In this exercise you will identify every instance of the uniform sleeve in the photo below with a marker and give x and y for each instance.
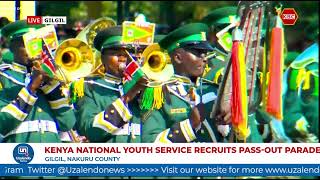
(97, 125)
(155, 130)
(292, 114)
(13, 112)
(59, 103)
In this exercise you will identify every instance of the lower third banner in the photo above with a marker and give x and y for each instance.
(160, 170)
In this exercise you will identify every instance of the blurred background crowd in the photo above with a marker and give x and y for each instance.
(167, 15)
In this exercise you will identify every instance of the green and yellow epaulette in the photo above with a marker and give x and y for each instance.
(76, 89)
(152, 98)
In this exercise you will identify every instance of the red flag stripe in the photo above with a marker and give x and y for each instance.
(132, 67)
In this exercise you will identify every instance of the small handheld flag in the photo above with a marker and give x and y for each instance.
(47, 63)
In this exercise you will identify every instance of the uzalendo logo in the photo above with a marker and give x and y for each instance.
(23, 153)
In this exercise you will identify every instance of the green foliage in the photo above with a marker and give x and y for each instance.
(79, 13)
(149, 8)
(109, 9)
(175, 13)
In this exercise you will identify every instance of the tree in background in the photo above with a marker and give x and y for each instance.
(79, 12)
(173, 14)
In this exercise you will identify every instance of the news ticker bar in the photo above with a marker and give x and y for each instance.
(226, 170)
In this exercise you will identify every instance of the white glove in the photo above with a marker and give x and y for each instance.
(224, 130)
(278, 131)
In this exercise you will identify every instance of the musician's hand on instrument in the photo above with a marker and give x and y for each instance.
(227, 117)
(34, 61)
(197, 115)
(38, 78)
(135, 90)
(224, 116)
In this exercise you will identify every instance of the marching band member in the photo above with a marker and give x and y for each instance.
(33, 108)
(105, 113)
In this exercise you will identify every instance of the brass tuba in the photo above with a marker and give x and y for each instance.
(89, 33)
(76, 57)
(156, 64)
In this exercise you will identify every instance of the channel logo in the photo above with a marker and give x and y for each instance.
(23, 150)
(46, 19)
(23, 153)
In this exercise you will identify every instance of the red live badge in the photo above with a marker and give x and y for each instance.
(34, 20)
(289, 16)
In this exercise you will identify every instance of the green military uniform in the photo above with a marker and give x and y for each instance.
(170, 123)
(102, 116)
(217, 20)
(308, 94)
(7, 57)
(304, 70)
(27, 117)
(270, 129)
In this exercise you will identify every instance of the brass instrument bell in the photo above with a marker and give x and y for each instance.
(156, 64)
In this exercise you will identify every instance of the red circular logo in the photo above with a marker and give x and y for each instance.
(289, 16)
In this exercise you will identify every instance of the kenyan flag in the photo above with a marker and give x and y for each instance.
(47, 60)
(132, 74)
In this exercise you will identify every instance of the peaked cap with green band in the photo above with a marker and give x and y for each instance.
(18, 28)
(308, 56)
(191, 35)
(109, 38)
(291, 56)
(220, 16)
(313, 68)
